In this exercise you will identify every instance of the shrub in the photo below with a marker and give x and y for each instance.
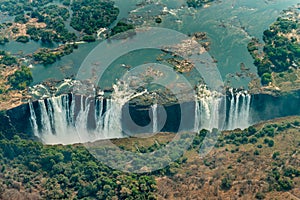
(21, 19)
(89, 38)
(275, 154)
(253, 140)
(3, 40)
(21, 78)
(121, 27)
(285, 184)
(266, 79)
(158, 20)
(8, 60)
(256, 152)
(226, 183)
(266, 141)
(271, 143)
(291, 172)
(251, 130)
(23, 39)
(260, 195)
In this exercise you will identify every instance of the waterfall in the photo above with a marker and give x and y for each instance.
(239, 110)
(33, 120)
(56, 121)
(245, 111)
(45, 118)
(236, 110)
(154, 118)
(196, 118)
(112, 118)
(67, 120)
(209, 113)
(207, 109)
(112, 127)
(63, 120)
(56, 124)
(99, 114)
(231, 110)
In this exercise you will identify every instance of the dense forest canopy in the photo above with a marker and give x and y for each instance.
(90, 15)
(65, 172)
(281, 48)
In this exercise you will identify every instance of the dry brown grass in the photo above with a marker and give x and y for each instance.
(201, 178)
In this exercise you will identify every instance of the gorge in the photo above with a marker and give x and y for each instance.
(70, 118)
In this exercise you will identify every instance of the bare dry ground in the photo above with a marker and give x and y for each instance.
(201, 178)
(11, 98)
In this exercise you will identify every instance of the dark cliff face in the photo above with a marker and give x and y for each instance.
(170, 118)
(19, 118)
(265, 107)
(7, 130)
(16, 121)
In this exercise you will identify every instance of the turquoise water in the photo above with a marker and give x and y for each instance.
(25, 48)
(229, 24)
(66, 67)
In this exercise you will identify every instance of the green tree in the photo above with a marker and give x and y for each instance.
(21, 79)
(23, 39)
(88, 38)
(226, 183)
(266, 78)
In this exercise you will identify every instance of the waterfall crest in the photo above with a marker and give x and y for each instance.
(69, 119)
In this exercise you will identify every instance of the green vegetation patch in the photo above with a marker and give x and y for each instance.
(66, 172)
(197, 3)
(7, 59)
(281, 49)
(49, 56)
(91, 15)
(21, 79)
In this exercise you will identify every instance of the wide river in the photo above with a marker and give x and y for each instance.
(229, 24)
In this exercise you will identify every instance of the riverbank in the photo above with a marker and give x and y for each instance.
(277, 58)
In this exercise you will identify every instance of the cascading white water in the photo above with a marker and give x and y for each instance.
(239, 111)
(207, 109)
(42, 91)
(196, 118)
(231, 110)
(112, 118)
(245, 112)
(56, 121)
(99, 104)
(65, 121)
(45, 118)
(234, 120)
(112, 127)
(60, 123)
(154, 119)
(33, 120)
